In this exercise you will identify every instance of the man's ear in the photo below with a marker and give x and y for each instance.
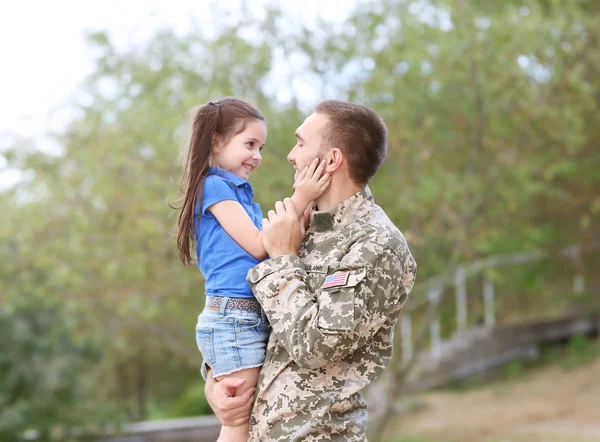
(334, 159)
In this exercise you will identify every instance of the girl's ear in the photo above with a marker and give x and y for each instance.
(215, 144)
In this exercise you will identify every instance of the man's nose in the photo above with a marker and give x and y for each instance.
(291, 157)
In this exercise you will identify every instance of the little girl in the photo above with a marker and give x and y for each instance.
(219, 217)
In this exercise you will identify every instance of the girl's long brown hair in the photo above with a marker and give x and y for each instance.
(224, 119)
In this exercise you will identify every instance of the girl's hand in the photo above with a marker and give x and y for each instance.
(312, 182)
(305, 218)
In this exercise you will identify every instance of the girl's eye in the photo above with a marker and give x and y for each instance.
(261, 148)
(250, 144)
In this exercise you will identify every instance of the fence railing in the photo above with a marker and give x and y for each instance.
(430, 292)
(423, 310)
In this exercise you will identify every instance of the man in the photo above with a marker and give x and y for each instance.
(332, 294)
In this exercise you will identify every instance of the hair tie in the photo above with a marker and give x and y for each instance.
(212, 103)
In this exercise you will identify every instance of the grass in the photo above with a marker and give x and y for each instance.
(579, 352)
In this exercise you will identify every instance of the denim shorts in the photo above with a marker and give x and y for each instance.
(231, 339)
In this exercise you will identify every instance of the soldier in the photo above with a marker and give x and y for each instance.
(332, 293)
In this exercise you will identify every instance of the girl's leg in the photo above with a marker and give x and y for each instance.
(240, 432)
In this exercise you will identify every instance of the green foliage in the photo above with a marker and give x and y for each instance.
(191, 402)
(41, 387)
(493, 124)
(581, 351)
(514, 369)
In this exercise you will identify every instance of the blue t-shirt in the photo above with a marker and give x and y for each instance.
(222, 261)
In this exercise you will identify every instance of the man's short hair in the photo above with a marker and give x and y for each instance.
(359, 132)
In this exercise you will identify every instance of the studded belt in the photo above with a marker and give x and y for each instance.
(247, 304)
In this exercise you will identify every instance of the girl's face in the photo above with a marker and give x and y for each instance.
(242, 153)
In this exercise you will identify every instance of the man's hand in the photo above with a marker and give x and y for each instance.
(229, 409)
(282, 231)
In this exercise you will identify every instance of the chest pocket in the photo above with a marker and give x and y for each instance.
(337, 301)
(315, 277)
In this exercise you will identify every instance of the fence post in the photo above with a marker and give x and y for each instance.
(578, 284)
(488, 301)
(578, 281)
(407, 344)
(460, 280)
(434, 328)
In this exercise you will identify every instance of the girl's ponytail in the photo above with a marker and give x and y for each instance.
(204, 128)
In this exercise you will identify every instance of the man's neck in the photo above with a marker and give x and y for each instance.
(338, 191)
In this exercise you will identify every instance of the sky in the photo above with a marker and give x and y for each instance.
(43, 54)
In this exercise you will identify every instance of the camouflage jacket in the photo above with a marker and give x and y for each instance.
(332, 310)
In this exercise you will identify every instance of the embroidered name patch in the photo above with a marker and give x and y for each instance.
(338, 279)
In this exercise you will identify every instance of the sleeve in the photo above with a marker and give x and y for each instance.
(317, 327)
(217, 189)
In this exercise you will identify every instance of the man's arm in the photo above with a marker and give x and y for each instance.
(317, 327)
(232, 216)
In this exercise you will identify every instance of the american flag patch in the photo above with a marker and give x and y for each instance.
(336, 280)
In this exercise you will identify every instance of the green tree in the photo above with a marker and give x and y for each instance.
(493, 134)
(39, 362)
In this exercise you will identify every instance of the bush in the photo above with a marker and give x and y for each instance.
(44, 390)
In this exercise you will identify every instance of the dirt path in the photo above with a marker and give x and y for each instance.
(550, 405)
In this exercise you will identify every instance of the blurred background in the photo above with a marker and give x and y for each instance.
(493, 175)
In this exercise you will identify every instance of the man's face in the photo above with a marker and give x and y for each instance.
(308, 141)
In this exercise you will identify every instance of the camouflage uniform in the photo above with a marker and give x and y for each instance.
(328, 343)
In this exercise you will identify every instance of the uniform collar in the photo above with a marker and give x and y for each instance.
(230, 176)
(349, 210)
